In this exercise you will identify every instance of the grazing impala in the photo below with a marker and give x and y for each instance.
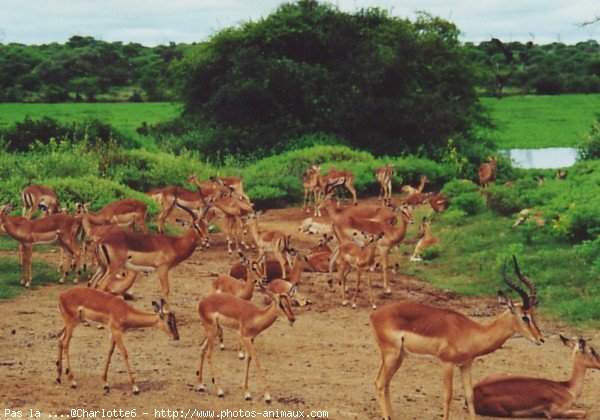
(411, 328)
(60, 228)
(487, 172)
(409, 190)
(363, 212)
(36, 197)
(224, 310)
(82, 304)
(335, 178)
(273, 241)
(384, 175)
(310, 182)
(166, 197)
(426, 240)
(146, 252)
(282, 286)
(359, 258)
(525, 396)
(127, 212)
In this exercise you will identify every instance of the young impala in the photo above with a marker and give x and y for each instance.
(224, 310)
(409, 190)
(273, 241)
(384, 175)
(81, 304)
(39, 197)
(146, 252)
(524, 396)
(310, 182)
(487, 172)
(426, 240)
(411, 328)
(60, 228)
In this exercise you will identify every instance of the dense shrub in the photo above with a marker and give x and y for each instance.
(457, 187)
(590, 147)
(503, 200)
(471, 203)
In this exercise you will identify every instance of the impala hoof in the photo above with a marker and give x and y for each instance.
(241, 356)
(106, 388)
(267, 398)
(28, 284)
(248, 397)
(388, 291)
(344, 302)
(373, 306)
(354, 306)
(220, 393)
(136, 390)
(73, 385)
(57, 380)
(222, 346)
(200, 387)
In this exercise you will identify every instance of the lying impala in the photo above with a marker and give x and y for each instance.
(426, 240)
(410, 328)
(384, 175)
(36, 197)
(224, 310)
(524, 396)
(145, 252)
(439, 202)
(487, 172)
(81, 304)
(59, 228)
(409, 190)
(124, 213)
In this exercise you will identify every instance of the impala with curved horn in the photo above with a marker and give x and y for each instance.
(406, 328)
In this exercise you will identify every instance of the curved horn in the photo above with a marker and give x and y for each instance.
(513, 286)
(532, 289)
(186, 209)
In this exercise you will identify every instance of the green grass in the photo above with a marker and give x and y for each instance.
(473, 249)
(126, 117)
(11, 274)
(542, 121)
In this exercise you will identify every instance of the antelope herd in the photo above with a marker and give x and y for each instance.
(359, 238)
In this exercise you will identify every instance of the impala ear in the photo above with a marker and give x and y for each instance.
(292, 251)
(566, 341)
(43, 207)
(506, 301)
(582, 345)
(162, 304)
(292, 291)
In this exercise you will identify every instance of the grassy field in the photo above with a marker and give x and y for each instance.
(124, 116)
(542, 121)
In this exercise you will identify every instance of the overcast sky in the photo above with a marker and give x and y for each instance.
(152, 22)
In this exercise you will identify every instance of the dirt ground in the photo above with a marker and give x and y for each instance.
(327, 361)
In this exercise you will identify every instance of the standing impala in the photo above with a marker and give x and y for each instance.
(128, 212)
(273, 241)
(411, 328)
(335, 178)
(310, 183)
(525, 396)
(82, 304)
(384, 175)
(146, 252)
(60, 228)
(487, 172)
(166, 198)
(224, 310)
(36, 197)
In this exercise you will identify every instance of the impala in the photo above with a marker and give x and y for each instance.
(235, 184)
(384, 175)
(426, 240)
(335, 178)
(525, 396)
(146, 252)
(125, 213)
(487, 172)
(59, 228)
(211, 190)
(316, 224)
(93, 234)
(166, 198)
(310, 183)
(357, 257)
(416, 198)
(363, 212)
(36, 197)
(282, 286)
(81, 304)
(223, 310)
(439, 202)
(273, 241)
(409, 190)
(234, 211)
(406, 328)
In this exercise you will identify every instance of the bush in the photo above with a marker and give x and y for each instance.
(503, 200)
(590, 147)
(471, 203)
(453, 217)
(457, 187)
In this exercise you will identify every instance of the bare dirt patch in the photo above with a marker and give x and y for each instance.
(327, 361)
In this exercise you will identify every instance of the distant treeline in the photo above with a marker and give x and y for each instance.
(87, 69)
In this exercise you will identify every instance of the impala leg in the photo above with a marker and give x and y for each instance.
(247, 395)
(111, 350)
(448, 373)
(465, 375)
(391, 360)
(342, 271)
(241, 354)
(162, 216)
(209, 347)
(65, 345)
(27, 249)
(281, 259)
(352, 191)
(200, 387)
(60, 355)
(356, 288)
(119, 341)
(140, 223)
(373, 306)
(569, 414)
(120, 286)
(252, 354)
(163, 276)
(385, 261)
(21, 254)
(220, 335)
